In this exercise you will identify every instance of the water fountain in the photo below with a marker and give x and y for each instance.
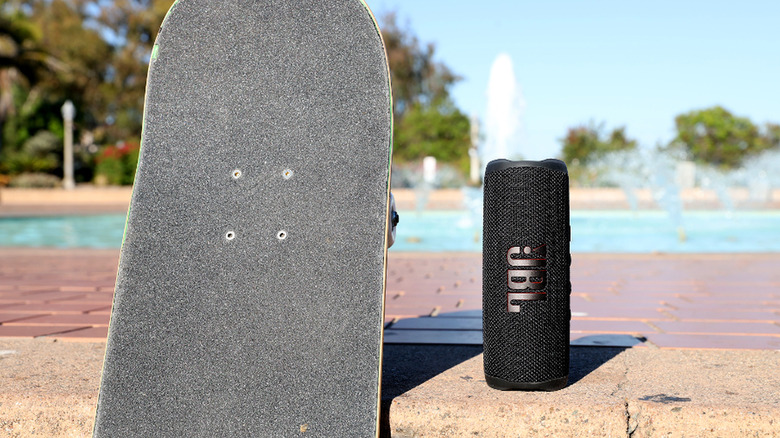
(663, 177)
(502, 139)
(500, 136)
(504, 113)
(422, 189)
(646, 168)
(671, 178)
(760, 175)
(719, 182)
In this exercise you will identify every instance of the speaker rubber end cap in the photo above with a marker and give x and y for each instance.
(505, 385)
(503, 164)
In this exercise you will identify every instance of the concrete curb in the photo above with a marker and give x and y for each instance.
(612, 392)
(87, 198)
(49, 388)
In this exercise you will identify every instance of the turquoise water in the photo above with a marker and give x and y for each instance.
(610, 231)
(592, 231)
(98, 231)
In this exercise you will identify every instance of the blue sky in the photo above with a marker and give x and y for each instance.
(622, 62)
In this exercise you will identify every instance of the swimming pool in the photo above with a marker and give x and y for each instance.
(92, 231)
(439, 231)
(612, 231)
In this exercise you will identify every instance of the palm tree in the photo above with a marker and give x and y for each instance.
(22, 60)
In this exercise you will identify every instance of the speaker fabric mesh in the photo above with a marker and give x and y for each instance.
(526, 206)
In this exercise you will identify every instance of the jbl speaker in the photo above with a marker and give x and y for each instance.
(525, 275)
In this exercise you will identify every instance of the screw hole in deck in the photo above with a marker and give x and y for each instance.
(281, 235)
(287, 174)
(236, 174)
(230, 235)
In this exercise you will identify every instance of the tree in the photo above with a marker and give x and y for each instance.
(772, 135)
(70, 34)
(96, 53)
(715, 136)
(426, 120)
(586, 143)
(416, 77)
(24, 65)
(131, 28)
(106, 47)
(426, 130)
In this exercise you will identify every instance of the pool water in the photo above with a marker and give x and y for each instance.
(93, 231)
(439, 231)
(611, 232)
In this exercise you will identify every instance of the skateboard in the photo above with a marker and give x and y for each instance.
(250, 292)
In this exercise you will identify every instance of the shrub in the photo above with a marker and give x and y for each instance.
(116, 164)
(39, 154)
(35, 181)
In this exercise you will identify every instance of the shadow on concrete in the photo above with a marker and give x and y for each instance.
(407, 366)
(588, 353)
(585, 360)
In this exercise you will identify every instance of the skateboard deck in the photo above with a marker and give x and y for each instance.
(250, 291)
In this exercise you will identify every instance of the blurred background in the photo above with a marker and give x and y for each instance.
(667, 114)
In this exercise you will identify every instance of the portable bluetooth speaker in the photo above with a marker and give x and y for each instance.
(525, 275)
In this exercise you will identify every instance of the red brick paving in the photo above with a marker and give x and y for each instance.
(64, 319)
(86, 334)
(721, 327)
(62, 293)
(57, 307)
(13, 330)
(673, 301)
(11, 317)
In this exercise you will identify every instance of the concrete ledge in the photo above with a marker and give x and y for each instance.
(49, 388)
(605, 198)
(612, 392)
(82, 195)
(90, 199)
(47, 202)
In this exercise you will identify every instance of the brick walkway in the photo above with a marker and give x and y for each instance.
(668, 301)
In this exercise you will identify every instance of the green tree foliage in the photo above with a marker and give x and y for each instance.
(772, 135)
(715, 136)
(71, 37)
(93, 52)
(586, 143)
(441, 131)
(96, 53)
(131, 27)
(39, 154)
(25, 69)
(416, 77)
(427, 123)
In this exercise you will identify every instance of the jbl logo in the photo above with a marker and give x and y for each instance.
(527, 273)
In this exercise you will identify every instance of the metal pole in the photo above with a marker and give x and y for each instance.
(68, 113)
